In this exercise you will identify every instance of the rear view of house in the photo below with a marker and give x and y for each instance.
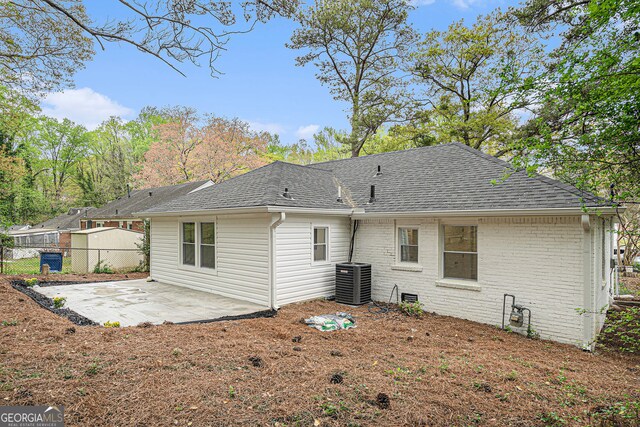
(441, 223)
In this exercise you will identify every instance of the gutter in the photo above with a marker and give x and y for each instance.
(359, 214)
(273, 303)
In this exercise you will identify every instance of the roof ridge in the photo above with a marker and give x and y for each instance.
(201, 181)
(368, 156)
(309, 166)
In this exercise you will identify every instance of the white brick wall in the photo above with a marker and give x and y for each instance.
(539, 260)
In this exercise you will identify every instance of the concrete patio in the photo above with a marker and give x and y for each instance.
(131, 302)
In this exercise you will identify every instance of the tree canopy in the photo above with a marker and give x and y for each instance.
(359, 47)
(476, 82)
(44, 42)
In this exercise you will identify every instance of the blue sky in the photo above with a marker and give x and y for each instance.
(260, 84)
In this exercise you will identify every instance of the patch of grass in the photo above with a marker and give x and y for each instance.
(31, 266)
(552, 419)
(9, 323)
(93, 369)
(512, 376)
(443, 366)
(330, 409)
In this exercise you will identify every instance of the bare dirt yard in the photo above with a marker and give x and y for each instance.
(391, 370)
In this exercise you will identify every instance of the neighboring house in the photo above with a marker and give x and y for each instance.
(54, 232)
(120, 212)
(455, 226)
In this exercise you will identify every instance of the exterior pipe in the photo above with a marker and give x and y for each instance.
(273, 303)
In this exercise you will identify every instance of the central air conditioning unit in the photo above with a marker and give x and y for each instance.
(353, 283)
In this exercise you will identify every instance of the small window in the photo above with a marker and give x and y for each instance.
(189, 243)
(408, 244)
(320, 244)
(461, 252)
(208, 245)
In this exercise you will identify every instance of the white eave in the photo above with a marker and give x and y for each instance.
(359, 213)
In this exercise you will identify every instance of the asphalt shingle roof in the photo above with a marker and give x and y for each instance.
(66, 221)
(140, 200)
(451, 177)
(309, 186)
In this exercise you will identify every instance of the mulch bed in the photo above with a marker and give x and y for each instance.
(47, 303)
(391, 370)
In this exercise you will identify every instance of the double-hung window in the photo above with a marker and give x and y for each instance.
(408, 244)
(189, 243)
(208, 245)
(198, 240)
(320, 244)
(460, 252)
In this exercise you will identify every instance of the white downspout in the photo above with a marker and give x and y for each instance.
(273, 303)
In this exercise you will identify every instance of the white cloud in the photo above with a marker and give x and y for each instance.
(418, 3)
(272, 128)
(464, 4)
(83, 106)
(307, 132)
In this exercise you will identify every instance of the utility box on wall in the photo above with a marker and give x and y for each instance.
(353, 283)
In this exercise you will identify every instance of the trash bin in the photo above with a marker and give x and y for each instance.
(54, 259)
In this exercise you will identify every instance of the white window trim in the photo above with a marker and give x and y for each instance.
(214, 244)
(327, 244)
(407, 265)
(198, 239)
(456, 282)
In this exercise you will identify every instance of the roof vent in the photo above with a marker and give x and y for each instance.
(128, 191)
(116, 211)
(339, 199)
(150, 193)
(372, 197)
(286, 194)
(379, 171)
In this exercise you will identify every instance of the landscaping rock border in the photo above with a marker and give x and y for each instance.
(47, 302)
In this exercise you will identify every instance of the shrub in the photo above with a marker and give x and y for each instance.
(58, 302)
(412, 309)
(31, 282)
(110, 324)
(622, 330)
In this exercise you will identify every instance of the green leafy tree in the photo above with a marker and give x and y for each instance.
(476, 81)
(358, 47)
(586, 125)
(62, 146)
(44, 42)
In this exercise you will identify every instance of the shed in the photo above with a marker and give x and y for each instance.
(111, 247)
